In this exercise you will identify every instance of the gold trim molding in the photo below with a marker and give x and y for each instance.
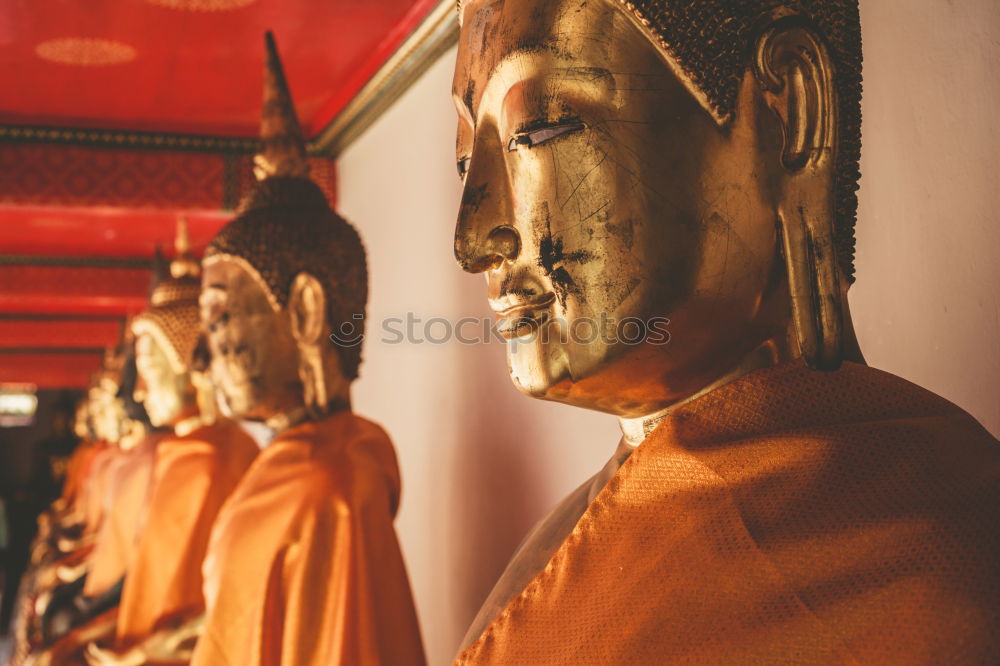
(428, 42)
(124, 139)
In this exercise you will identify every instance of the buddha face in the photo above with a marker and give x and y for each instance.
(108, 412)
(254, 357)
(81, 421)
(601, 200)
(166, 392)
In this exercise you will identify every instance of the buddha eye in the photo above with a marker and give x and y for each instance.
(539, 136)
(463, 166)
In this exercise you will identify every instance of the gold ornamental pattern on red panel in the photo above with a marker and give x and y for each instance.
(63, 175)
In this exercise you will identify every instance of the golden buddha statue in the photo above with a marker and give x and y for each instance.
(303, 567)
(62, 522)
(197, 466)
(661, 195)
(62, 590)
(88, 582)
(64, 537)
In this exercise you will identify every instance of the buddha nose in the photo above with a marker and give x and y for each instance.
(484, 237)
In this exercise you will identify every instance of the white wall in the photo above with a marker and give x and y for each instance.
(927, 300)
(481, 463)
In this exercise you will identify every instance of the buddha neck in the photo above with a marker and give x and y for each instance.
(265, 432)
(287, 419)
(188, 425)
(636, 430)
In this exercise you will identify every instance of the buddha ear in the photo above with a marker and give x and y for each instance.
(796, 77)
(307, 307)
(307, 310)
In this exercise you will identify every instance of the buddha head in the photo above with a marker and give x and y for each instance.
(658, 190)
(82, 427)
(165, 338)
(107, 409)
(279, 279)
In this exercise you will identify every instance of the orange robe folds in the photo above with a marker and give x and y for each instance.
(790, 516)
(303, 567)
(77, 470)
(94, 494)
(127, 498)
(194, 475)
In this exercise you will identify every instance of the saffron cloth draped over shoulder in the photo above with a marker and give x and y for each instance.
(303, 566)
(127, 501)
(194, 476)
(790, 516)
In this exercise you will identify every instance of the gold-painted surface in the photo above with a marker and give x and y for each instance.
(307, 261)
(696, 188)
(85, 51)
(254, 361)
(203, 5)
(167, 394)
(166, 334)
(282, 150)
(107, 411)
(599, 189)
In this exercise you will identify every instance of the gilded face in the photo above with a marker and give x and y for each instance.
(254, 357)
(108, 411)
(601, 199)
(165, 392)
(81, 421)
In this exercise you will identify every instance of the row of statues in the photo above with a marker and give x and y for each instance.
(183, 538)
(772, 500)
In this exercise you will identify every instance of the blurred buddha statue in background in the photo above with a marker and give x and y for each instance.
(661, 195)
(198, 463)
(61, 591)
(63, 537)
(303, 567)
(63, 522)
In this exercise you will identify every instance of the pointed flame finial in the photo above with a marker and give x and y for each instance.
(282, 148)
(183, 264)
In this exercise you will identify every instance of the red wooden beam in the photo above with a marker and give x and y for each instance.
(63, 333)
(50, 371)
(73, 290)
(100, 232)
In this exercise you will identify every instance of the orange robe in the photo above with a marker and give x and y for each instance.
(194, 475)
(303, 567)
(790, 516)
(93, 495)
(77, 470)
(127, 498)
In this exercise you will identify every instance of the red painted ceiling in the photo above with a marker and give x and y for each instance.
(79, 224)
(189, 66)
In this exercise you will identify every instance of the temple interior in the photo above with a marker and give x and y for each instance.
(120, 118)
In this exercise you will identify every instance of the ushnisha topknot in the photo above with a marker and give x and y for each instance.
(172, 315)
(285, 225)
(711, 42)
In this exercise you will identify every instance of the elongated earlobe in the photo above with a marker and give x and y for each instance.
(796, 78)
(307, 309)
